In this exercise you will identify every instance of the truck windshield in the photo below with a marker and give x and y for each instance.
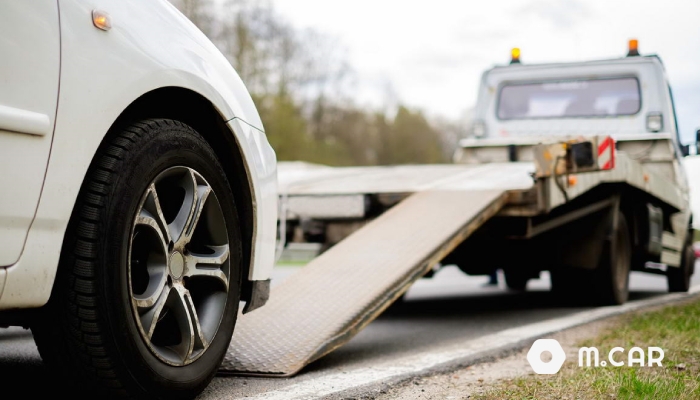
(569, 99)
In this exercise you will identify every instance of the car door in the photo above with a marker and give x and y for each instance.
(29, 75)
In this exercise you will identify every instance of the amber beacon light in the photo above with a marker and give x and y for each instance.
(515, 55)
(633, 48)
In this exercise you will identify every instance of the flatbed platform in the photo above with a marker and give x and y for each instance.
(337, 294)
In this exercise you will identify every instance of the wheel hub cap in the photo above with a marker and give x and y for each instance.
(176, 265)
(179, 266)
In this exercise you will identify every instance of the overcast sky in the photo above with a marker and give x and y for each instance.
(430, 54)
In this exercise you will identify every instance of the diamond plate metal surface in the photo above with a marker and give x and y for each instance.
(337, 294)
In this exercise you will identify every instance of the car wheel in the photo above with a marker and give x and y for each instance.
(679, 278)
(146, 297)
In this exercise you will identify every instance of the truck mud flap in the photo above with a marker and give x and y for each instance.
(339, 293)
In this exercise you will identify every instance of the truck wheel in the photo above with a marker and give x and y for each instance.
(679, 278)
(516, 281)
(567, 285)
(147, 291)
(610, 284)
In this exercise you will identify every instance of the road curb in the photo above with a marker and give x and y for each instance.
(367, 381)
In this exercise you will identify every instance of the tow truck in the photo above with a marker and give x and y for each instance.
(572, 168)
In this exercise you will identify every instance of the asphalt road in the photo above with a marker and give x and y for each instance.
(448, 307)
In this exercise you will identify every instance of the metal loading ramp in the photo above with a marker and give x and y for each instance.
(340, 292)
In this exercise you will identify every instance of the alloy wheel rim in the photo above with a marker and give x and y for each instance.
(178, 266)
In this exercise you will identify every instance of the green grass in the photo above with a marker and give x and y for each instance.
(676, 329)
(291, 263)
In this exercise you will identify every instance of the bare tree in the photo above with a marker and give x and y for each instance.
(302, 86)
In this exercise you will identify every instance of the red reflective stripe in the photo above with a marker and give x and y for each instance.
(604, 146)
(607, 145)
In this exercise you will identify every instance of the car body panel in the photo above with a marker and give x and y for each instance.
(3, 275)
(151, 45)
(30, 52)
(262, 165)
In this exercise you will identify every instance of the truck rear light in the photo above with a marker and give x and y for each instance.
(655, 122)
(582, 154)
(479, 129)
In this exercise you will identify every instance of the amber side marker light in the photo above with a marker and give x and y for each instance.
(633, 48)
(515, 55)
(101, 20)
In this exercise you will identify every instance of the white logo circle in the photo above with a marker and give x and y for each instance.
(546, 345)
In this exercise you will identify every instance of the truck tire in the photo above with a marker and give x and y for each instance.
(567, 285)
(610, 281)
(516, 281)
(679, 278)
(133, 312)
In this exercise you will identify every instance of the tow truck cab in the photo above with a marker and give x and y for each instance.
(628, 99)
(617, 97)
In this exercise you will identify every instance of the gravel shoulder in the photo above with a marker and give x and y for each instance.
(674, 328)
(476, 380)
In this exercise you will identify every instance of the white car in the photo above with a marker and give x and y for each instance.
(138, 194)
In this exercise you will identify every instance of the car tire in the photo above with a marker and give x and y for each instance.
(679, 278)
(148, 285)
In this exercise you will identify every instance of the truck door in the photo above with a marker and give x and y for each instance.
(29, 74)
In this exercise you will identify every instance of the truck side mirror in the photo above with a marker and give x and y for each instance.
(697, 141)
(685, 150)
